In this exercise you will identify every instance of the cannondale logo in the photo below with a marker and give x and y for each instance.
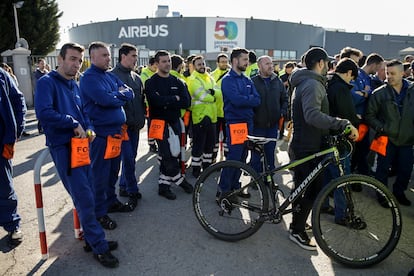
(226, 30)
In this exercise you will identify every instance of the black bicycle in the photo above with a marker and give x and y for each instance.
(235, 217)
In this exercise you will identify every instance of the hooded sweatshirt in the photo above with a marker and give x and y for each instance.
(310, 109)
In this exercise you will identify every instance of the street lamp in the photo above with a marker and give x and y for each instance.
(16, 6)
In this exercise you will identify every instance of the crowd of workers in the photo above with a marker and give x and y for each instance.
(92, 126)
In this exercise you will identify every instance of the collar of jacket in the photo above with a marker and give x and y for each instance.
(123, 68)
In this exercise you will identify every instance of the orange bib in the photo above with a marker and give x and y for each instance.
(113, 146)
(362, 131)
(124, 133)
(379, 145)
(238, 133)
(8, 151)
(79, 154)
(156, 130)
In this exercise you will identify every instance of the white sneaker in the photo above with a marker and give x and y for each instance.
(15, 237)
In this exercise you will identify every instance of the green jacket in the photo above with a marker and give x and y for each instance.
(202, 102)
(218, 76)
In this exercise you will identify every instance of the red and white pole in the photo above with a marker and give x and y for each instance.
(182, 143)
(39, 203)
(76, 225)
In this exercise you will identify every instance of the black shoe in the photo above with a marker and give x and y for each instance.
(111, 244)
(153, 148)
(15, 238)
(107, 259)
(25, 134)
(123, 192)
(187, 187)
(402, 199)
(355, 223)
(167, 194)
(120, 207)
(107, 223)
(328, 210)
(136, 195)
(302, 240)
(243, 194)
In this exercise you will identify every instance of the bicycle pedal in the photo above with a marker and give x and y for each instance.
(226, 206)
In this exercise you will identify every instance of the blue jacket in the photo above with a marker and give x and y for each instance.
(58, 107)
(103, 100)
(361, 83)
(12, 110)
(240, 97)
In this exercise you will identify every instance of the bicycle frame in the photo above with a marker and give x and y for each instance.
(331, 156)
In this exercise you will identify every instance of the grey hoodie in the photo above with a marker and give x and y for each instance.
(310, 109)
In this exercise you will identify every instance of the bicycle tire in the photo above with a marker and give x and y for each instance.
(245, 217)
(345, 243)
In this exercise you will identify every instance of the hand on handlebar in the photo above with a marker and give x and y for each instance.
(353, 132)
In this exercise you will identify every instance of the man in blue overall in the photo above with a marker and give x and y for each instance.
(104, 96)
(59, 109)
(12, 111)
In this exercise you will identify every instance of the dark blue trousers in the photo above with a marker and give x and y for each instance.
(269, 148)
(128, 180)
(9, 218)
(229, 179)
(77, 183)
(104, 176)
(402, 157)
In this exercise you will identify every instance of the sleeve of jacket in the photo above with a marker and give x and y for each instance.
(374, 106)
(45, 106)
(283, 99)
(19, 106)
(230, 90)
(99, 94)
(185, 98)
(311, 104)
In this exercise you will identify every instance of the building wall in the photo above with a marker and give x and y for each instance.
(169, 32)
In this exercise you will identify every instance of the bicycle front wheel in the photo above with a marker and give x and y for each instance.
(245, 216)
(366, 232)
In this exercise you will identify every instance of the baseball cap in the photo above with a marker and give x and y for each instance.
(315, 54)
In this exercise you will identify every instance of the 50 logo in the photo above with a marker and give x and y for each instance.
(225, 30)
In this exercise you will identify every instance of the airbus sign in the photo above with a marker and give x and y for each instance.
(143, 31)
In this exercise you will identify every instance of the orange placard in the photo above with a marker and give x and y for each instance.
(113, 146)
(156, 130)
(8, 151)
(362, 131)
(124, 132)
(79, 154)
(186, 118)
(379, 145)
(238, 133)
(281, 122)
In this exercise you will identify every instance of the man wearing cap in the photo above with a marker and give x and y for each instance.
(311, 123)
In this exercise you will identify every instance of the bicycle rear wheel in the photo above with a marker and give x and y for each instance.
(245, 216)
(369, 233)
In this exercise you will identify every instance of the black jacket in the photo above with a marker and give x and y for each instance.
(340, 100)
(310, 109)
(384, 116)
(135, 108)
(273, 102)
(162, 101)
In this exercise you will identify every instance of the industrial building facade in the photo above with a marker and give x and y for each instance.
(210, 35)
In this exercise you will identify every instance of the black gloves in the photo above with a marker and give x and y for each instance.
(211, 91)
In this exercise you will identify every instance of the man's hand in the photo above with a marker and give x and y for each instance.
(354, 133)
(79, 131)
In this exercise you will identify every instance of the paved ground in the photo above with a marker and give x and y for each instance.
(162, 237)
